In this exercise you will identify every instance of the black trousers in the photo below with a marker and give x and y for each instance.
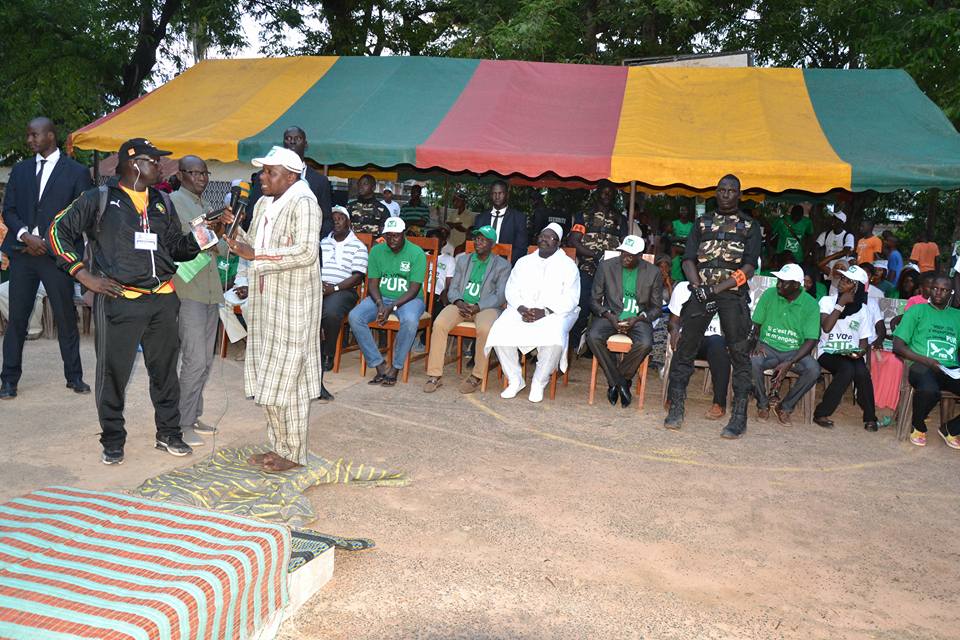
(26, 274)
(927, 387)
(121, 325)
(621, 372)
(336, 306)
(713, 349)
(586, 292)
(734, 322)
(846, 370)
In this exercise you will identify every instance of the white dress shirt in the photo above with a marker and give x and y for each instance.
(47, 170)
(496, 219)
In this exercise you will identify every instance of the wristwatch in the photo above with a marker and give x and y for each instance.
(839, 307)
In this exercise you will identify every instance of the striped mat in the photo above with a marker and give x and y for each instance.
(90, 564)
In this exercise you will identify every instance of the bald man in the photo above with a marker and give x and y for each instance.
(200, 298)
(39, 188)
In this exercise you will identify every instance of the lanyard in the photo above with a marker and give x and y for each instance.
(145, 227)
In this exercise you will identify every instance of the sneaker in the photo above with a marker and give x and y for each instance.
(203, 427)
(952, 441)
(190, 437)
(174, 445)
(432, 384)
(112, 456)
(536, 393)
(918, 438)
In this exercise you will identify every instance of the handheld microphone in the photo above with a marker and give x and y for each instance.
(238, 204)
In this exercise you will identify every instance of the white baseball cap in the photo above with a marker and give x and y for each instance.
(280, 157)
(840, 215)
(790, 273)
(856, 273)
(394, 225)
(339, 209)
(881, 264)
(631, 244)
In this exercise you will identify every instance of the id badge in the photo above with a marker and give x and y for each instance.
(145, 241)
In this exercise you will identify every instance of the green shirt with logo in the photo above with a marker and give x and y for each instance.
(631, 308)
(786, 325)
(397, 271)
(790, 234)
(931, 332)
(478, 269)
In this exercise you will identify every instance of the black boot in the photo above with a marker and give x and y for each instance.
(676, 396)
(738, 420)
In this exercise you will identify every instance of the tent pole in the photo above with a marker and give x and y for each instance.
(326, 170)
(633, 202)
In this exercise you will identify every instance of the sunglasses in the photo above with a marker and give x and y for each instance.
(155, 161)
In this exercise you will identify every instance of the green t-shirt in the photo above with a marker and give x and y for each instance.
(415, 215)
(820, 289)
(397, 270)
(682, 229)
(786, 325)
(630, 306)
(931, 332)
(786, 240)
(478, 269)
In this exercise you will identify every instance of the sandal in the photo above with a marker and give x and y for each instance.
(432, 384)
(377, 379)
(260, 459)
(389, 381)
(279, 465)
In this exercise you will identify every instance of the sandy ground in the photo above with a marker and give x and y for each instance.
(563, 520)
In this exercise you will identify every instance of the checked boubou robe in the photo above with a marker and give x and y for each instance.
(282, 367)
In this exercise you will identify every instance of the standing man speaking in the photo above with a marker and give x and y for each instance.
(135, 239)
(283, 368)
(39, 188)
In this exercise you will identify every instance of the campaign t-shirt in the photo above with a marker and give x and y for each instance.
(925, 255)
(446, 265)
(679, 297)
(397, 271)
(682, 229)
(630, 306)
(931, 332)
(790, 235)
(847, 333)
(478, 269)
(786, 325)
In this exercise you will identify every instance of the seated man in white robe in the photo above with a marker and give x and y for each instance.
(543, 292)
(35, 328)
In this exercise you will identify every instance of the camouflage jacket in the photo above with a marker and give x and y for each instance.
(367, 216)
(719, 245)
(602, 231)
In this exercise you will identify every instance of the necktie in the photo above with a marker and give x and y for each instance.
(496, 219)
(40, 176)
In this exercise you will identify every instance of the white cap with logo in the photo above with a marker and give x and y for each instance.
(790, 273)
(631, 244)
(856, 273)
(394, 225)
(281, 157)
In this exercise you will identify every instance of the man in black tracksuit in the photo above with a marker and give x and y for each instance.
(135, 241)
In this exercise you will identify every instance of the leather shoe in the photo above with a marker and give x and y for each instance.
(326, 363)
(325, 396)
(79, 386)
(613, 394)
(8, 391)
(625, 396)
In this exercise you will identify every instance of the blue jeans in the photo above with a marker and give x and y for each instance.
(366, 312)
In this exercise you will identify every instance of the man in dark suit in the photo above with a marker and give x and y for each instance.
(509, 223)
(626, 298)
(39, 188)
(295, 139)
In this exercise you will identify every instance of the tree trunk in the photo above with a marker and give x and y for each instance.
(933, 200)
(149, 36)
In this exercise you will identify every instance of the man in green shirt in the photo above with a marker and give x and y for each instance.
(396, 271)
(477, 294)
(626, 298)
(200, 300)
(787, 323)
(928, 336)
(793, 233)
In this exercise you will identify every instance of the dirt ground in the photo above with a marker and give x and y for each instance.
(564, 520)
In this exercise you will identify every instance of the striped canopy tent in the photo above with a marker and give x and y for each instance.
(778, 129)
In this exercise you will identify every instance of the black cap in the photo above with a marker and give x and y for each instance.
(140, 147)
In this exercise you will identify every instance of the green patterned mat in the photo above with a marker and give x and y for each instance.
(308, 544)
(225, 482)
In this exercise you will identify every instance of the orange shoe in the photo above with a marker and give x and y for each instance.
(715, 412)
